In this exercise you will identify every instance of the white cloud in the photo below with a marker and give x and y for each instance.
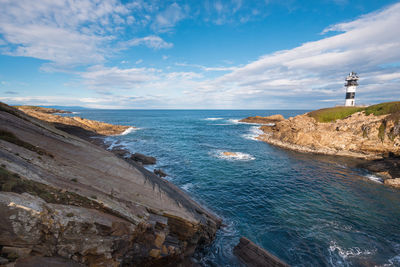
(65, 32)
(151, 41)
(168, 18)
(318, 68)
(100, 77)
(69, 33)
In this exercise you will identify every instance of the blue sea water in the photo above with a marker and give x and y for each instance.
(308, 210)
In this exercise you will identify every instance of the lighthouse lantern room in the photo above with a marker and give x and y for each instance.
(351, 86)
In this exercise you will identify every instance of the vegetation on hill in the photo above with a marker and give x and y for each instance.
(338, 113)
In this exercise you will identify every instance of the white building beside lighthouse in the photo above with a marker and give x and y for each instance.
(351, 86)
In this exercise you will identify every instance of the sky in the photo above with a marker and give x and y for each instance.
(211, 54)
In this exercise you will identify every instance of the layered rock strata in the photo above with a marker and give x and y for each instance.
(62, 196)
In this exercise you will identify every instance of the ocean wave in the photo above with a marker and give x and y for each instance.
(233, 155)
(213, 119)
(395, 261)
(187, 186)
(237, 121)
(254, 132)
(351, 252)
(129, 130)
(374, 178)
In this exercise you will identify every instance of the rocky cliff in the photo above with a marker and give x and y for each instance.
(370, 137)
(62, 196)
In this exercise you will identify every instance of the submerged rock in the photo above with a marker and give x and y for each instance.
(254, 256)
(145, 160)
(230, 154)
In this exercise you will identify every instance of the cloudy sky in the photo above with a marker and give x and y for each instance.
(232, 54)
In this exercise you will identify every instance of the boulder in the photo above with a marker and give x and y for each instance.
(160, 173)
(145, 160)
(393, 182)
(254, 256)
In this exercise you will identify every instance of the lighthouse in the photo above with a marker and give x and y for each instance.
(351, 86)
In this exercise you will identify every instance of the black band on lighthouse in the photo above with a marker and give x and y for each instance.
(350, 95)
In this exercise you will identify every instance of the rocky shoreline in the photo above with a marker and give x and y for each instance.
(62, 196)
(77, 125)
(374, 139)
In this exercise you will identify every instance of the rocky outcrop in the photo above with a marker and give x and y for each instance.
(360, 136)
(76, 124)
(143, 159)
(263, 120)
(69, 198)
(373, 138)
(254, 256)
(160, 173)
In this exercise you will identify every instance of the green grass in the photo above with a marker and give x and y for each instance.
(383, 108)
(11, 138)
(339, 113)
(332, 114)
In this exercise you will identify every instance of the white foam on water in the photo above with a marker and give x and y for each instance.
(129, 130)
(254, 132)
(395, 261)
(213, 119)
(375, 178)
(237, 121)
(187, 186)
(351, 252)
(234, 156)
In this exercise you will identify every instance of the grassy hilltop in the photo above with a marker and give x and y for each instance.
(338, 113)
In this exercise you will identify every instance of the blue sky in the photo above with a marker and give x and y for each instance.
(198, 54)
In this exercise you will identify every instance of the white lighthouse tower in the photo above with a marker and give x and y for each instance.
(351, 86)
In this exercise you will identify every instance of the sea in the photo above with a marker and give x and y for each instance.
(308, 210)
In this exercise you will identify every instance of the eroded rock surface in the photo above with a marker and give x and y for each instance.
(75, 200)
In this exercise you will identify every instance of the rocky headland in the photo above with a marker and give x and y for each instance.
(43, 110)
(370, 133)
(67, 202)
(75, 124)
